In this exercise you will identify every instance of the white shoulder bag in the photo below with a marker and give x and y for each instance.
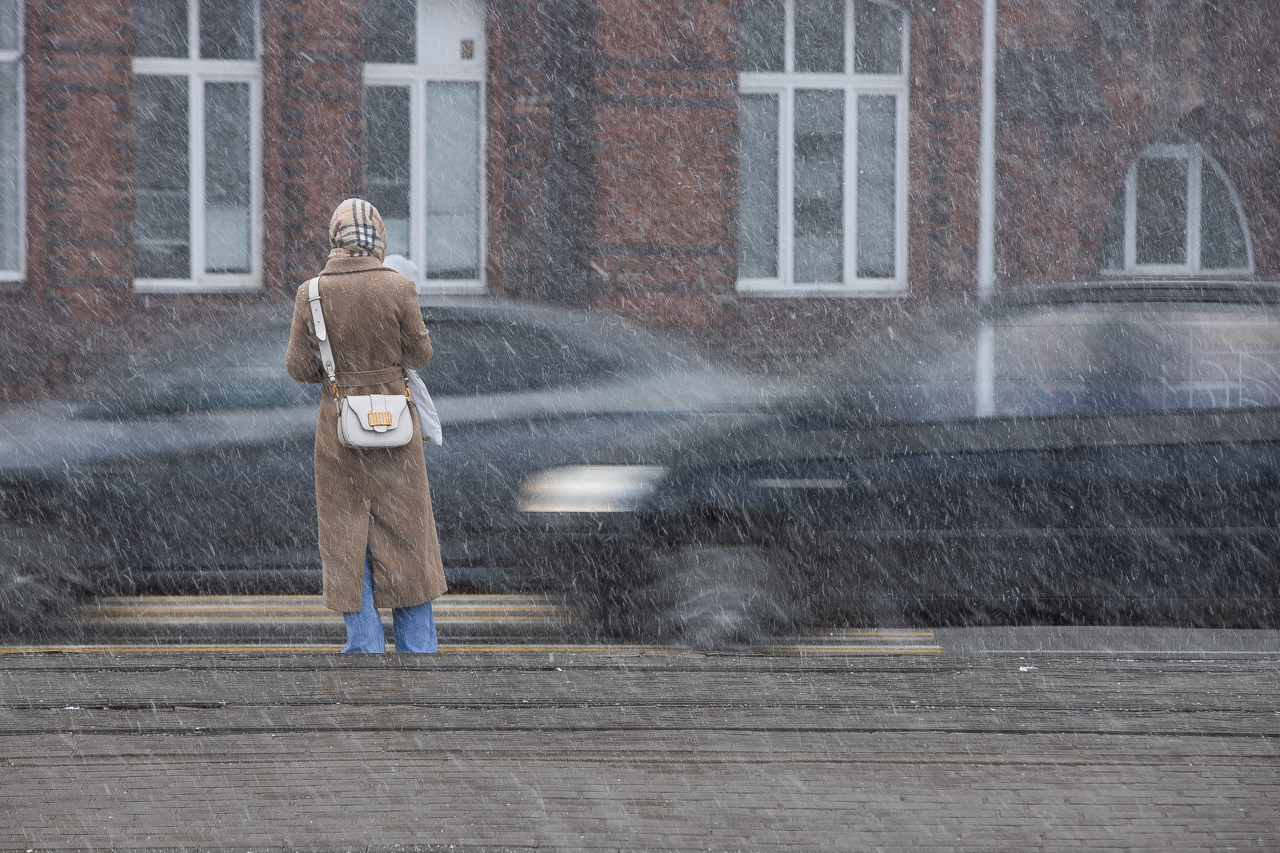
(367, 421)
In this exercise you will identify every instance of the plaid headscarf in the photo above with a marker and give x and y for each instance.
(356, 231)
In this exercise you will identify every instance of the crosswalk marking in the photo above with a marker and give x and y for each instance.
(301, 624)
(189, 609)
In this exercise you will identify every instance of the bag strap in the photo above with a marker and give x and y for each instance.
(326, 349)
(322, 333)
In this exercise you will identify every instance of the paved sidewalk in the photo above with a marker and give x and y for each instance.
(647, 750)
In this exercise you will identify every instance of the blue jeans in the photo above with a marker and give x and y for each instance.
(415, 627)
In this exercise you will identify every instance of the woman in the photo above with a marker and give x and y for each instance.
(377, 532)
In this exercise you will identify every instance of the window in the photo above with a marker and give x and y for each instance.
(1099, 359)
(822, 128)
(1075, 359)
(12, 197)
(196, 157)
(1177, 214)
(498, 356)
(424, 96)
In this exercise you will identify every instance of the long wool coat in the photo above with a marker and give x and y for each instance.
(368, 499)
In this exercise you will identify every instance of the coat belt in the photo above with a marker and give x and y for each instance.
(381, 376)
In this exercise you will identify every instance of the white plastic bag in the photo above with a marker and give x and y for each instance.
(422, 401)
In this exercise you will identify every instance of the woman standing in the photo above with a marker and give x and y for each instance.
(377, 532)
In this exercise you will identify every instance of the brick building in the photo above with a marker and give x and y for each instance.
(742, 170)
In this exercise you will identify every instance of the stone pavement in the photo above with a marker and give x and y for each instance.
(1033, 740)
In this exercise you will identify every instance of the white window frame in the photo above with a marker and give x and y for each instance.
(20, 274)
(199, 71)
(784, 85)
(1197, 160)
(415, 77)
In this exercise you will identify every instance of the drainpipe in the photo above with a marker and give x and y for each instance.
(984, 374)
(987, 156)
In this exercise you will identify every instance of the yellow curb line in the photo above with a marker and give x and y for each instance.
(329, 649)
(30, 650)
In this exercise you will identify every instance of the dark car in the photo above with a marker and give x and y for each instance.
(1081, 454)
(194, 474)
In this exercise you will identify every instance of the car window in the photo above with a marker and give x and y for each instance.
(1124, 360)
(244, 372)
(491, 357)
(1079, 360)
(471, 356)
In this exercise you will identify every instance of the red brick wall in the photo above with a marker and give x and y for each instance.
(313, 129)
(76, 314)
(1215, 76)
(942, 208)
(1206, 69)
(945, 114)
(80, 136)
(79, 154)
(612, 155)
(666, 159)
(612, 152)
(533, 186)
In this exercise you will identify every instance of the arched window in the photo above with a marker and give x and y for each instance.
(1177, 214)
(823, 135)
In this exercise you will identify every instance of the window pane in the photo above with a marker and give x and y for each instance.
(160, 28)
(758, 188)
(819, 35)
(453, 181)
(763, 35)
(227, 177)
(10, 167)
(162, 223)
(877, 39)
(819, 185)
(387, 161)
(877, 193)
(1221, 237)
(227, 29)
(1162, 211)
(495, 357)
(390, 30)
(1113, 238)
(9, 24)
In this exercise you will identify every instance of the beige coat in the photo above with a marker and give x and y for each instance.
(368, 499)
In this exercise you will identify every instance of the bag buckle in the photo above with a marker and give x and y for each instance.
(377, 419)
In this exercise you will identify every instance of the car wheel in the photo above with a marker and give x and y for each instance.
(714, 598)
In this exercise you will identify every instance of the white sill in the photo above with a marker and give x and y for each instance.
(774, 289)
(185, 285)
(1172, 273)
(441, 287)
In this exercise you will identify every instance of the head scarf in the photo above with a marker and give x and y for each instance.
(356, 231)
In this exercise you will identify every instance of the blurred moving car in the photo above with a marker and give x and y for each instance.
(1079, 454)
(195, 473)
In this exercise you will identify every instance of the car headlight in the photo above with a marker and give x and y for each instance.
(589, 488)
